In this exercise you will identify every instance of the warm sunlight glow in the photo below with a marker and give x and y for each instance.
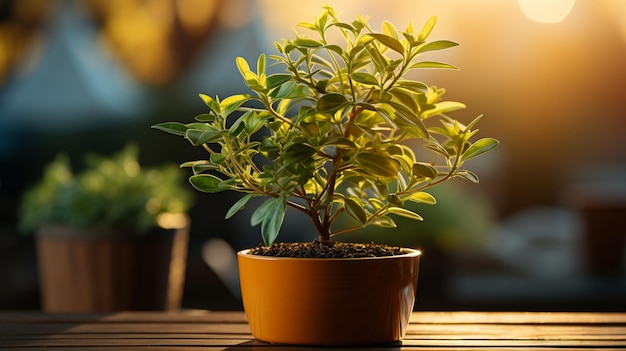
(552, 11)
(615, 11)
(172, 220)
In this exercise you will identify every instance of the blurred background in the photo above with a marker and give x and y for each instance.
(543, 230)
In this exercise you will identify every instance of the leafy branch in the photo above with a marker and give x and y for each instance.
(333, 134)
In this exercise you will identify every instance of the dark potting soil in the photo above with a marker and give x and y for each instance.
(318, 249)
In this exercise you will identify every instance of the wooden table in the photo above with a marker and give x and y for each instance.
(204, 330)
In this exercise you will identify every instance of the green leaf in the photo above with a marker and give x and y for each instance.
(205, 117)
(436, 45)
(276, 79)
(377, 164)
(242, 65)
(201, 166)
(239, 205)
(211, 103)
(364, 78)
(270, 214)
(406, 98)
(254, 120)
(420, 197)
(273, 221)
(336, 48)
(410, 117)
(354, 209)
(307, 25)
(427, 29)
(467, 175)
(389, 29)
(231, 103)
(443, 107)
(413, 86)
(172, 128)
(338, 140)
(217, 158)
(436, 147)
(433, 64)
(237, 128)
(410, 38)
(384, 222)
(200, 126)
(473, 122)
(260, 212)
(378, 59)
(344, 25)
(479, 147)
(389, 42)
(393, 199)
(403, 212)
(298, 152)
(331, 102)
(260, 64)
(198, 137)
(207, 183)
(376, 203)
(283, 90)
(424, 170)
(307, 43)
(191, 163)
(269, 148)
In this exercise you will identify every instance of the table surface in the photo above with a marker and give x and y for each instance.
(205, 330)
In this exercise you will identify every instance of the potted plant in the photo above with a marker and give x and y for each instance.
(336, 133)
(112, 237)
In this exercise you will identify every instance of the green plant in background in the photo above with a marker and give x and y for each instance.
(335, 132)
(113, 192)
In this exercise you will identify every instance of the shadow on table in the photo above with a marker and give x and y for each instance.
(260, 345)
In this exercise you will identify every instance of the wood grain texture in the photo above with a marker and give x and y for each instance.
(195, 329)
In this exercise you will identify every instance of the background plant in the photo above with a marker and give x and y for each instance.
(114, 192)
(335, 132)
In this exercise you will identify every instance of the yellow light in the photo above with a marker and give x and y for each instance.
(172, 220)
(552, 11)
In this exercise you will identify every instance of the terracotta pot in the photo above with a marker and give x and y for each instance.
(105, 270)
(328, 302)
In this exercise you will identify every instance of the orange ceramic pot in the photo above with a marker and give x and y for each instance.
(328, 302)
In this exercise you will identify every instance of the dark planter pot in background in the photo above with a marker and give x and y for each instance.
(602, 207)
(604, 238)
(105, 271)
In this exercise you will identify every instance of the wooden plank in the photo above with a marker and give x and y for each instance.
(229, 330)
(279, 348)
(498, 331)
(190, 316)
(22, 337)
(124, 341)
(573, 344)
(175, 342)
(185, 316)
(518, 318)
(121, 328)
(425, 331)
(475, 335)
(165, 348)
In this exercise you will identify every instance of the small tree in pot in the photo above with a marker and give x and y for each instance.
(336, 132)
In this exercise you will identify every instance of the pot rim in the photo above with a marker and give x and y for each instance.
(407, 252)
